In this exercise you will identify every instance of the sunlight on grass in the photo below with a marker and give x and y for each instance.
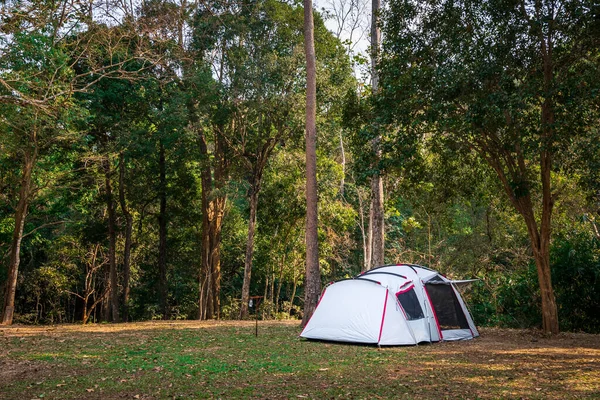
(226, 360)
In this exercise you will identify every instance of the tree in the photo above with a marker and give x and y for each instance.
(312, 286)
(40, 49)
(266, 103)
(511, 81)
(376, 234)
(33, 79)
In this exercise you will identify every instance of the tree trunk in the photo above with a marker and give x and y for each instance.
(549, 309)
(265, 296)
(15, 246)
(343, 162)
(280, 281)
(375, 41)
(112, 240)
(128, 235)
(312, 287)
(253, 200)
(213, 211)
(295, 286)
(162, 233)
(365, 232)
(376, 221)
(272, 289)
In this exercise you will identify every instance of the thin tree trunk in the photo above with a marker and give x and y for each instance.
(365, 233)
(549, 308)
(265, 296)
(293, 292)
(280, 281)
(369, 253)
(15, 246)
(375, 42)
(86, 315)
(376, 222)
(128, 235)
(343, 154)
(215, 259)
(312, 286)
(253, 199)
(112, 240)
(162, 233)
(255, 183)
(272, 289)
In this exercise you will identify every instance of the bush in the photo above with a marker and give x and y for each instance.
(512, 299)
(576, 278)
(231, 308)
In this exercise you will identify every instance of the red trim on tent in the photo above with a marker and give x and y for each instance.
(405, 290)
(319, 302)
(383, 316)
(398, 301)
(437, 323)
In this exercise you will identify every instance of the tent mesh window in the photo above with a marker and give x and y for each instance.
(447, 308)
(410, 304)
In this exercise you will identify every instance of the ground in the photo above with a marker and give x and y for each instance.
(166, 360)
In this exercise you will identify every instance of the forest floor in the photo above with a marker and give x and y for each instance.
(171, 360)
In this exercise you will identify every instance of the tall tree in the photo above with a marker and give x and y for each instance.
(312, 286)
(376, 235)
(266, 102)
(34, 81)
(514, 82)
(40, 49)
(128, 236)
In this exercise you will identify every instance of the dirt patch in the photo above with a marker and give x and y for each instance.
(513, 364)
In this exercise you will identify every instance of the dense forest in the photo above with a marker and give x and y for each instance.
(152, 156)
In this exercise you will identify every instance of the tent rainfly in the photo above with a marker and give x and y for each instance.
(392, 305)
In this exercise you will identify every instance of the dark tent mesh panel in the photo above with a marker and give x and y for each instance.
(447, 308)
(410, 304)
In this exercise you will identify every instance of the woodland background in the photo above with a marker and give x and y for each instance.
(139, 142)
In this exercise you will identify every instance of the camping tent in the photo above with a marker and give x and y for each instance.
(391, 305)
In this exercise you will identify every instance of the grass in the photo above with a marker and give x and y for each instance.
(166, 360)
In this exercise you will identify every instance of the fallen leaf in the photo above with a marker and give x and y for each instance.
(89, 390)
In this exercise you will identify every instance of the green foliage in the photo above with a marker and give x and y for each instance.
(511, 298)
(576, 274)
(234, 72)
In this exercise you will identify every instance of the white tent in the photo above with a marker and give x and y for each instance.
(391, 305)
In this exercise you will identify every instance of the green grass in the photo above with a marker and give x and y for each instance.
(225, 360)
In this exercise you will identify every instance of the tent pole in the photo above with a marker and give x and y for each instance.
(425, 308)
